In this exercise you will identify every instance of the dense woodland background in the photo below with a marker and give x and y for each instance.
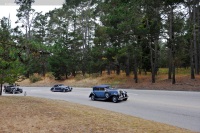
(92, 36)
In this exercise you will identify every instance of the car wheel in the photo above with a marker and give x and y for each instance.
(92, 97)
(114, 99)
(64, 90)
(107, 95)
(13, 91)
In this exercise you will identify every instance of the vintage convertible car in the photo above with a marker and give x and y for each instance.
(61, 88)
(105, 92)
(12, 89)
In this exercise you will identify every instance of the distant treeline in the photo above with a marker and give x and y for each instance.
(91, 36)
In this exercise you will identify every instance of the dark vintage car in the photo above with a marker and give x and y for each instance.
(12, 89)
(61, 88)
(105, 92)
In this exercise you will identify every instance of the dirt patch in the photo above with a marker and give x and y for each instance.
(183, 83)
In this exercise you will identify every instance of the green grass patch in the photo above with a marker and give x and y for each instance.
(184, 71)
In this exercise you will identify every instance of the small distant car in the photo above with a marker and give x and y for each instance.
(105, 92)
(61, 88)
(12, 89)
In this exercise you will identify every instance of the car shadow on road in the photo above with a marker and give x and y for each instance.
(107, 101)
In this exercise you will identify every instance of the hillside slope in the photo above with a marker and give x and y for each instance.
(183, 82)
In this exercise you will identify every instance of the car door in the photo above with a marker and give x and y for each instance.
(102, 92)
(57, 88)
(96, 92)
(9, 88)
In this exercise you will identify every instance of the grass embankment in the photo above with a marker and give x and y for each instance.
(36, 115)
(183, 81)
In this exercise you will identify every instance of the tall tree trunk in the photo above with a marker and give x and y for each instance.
(191, 46)
(153, 80)
(172, 66)
(127, 69)
(151, 56)
(43, 70)
(194, 39)
(156, 56)
(192, 61)
(198, 19)
(169, 63)
(118, 69)
(1, 89)
(108, 69)
(84, 44)
(73, 73)
(198, 35)
(83, 71)
(135, 69)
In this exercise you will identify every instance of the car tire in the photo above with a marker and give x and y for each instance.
(114, 99)
(13, 92)
(92, 97)
(64, 90)
(107, 95)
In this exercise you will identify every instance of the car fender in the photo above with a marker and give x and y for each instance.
(91, 94)
(52, 89)
(114, 95)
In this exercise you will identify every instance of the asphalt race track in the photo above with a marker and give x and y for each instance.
(177, 108)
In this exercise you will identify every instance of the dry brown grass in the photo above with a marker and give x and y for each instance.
(31, 115)
(183, 82)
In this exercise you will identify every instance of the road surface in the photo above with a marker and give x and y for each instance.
(177, 108)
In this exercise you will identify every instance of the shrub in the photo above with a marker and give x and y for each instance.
(50, 75)
(35, 78)
(95, 75)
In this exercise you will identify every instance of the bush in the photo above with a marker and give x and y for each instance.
(50, 75)
(35, 78)
(95, 75)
